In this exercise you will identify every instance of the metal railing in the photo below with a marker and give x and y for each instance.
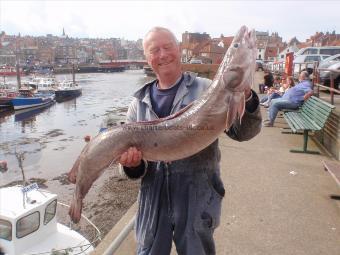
(331, 88)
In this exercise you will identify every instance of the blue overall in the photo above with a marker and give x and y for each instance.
(181, 200)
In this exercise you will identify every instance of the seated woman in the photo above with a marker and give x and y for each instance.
(265, 101)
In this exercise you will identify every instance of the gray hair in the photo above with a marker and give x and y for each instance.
(159, 29)
(305, 75)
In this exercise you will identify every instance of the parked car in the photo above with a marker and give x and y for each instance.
(324, 50)
(330, 61)
(306, 62)
(259, 65)
(325, 75)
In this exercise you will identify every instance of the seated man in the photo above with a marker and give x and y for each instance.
(292, 99)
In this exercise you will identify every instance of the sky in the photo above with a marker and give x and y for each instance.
(132, 19)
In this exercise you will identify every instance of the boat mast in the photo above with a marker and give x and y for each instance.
(73, 74)
(17, 60)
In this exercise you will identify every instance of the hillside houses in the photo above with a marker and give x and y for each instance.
(50, 49)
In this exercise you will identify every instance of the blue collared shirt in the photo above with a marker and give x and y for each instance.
(297, 93)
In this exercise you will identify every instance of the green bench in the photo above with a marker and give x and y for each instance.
(312, 116)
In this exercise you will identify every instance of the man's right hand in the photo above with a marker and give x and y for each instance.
(131, 158)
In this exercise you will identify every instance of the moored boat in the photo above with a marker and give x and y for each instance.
(28, 224)
(67, 90)
(28, 99)
(7, 93)
(10, 71)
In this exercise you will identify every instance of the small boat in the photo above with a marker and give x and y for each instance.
(67, 90)
(7, 93)
(6, 98)
(28, 99)
(10, 71)
(43, 84)
(30, 113)
(28, 224)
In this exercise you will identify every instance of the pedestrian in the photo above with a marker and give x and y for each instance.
(292, 99)
(179, 201)
(268, 81)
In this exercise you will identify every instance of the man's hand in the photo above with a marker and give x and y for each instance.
(247, 93)
(131, 158)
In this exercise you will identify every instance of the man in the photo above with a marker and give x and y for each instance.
(179, 200)
(292, 99)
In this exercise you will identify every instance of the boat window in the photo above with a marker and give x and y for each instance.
(50, 211)
(5, 230)
(28, 224)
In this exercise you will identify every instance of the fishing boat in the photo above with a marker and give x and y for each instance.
(43, 84)
(29, 113)
(28, 98)
(67, 90)
(28, 224)
(7, 93)
(10, 71)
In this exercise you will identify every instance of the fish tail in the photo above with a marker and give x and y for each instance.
(76, 209)
(236, 108)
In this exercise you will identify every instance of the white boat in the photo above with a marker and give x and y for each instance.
(67, 90)
(28, 224)
(43, 84)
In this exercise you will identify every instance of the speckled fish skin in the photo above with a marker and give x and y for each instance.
(177, 136)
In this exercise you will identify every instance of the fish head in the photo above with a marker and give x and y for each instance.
(238, 66)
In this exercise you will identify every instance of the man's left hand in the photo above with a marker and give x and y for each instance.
(247, 93)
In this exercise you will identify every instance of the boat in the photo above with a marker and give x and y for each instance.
(6, 98)
(30, 113)
(67, 90)
(7, 93)
(10, 71)
(43, 84)
(28, 224)
(28, 98)
(148, 71)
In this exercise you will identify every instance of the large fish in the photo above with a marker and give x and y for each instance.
(179, 135)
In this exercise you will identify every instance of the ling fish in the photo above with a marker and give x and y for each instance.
(180, 135)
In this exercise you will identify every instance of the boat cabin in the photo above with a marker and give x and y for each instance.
(28, 222)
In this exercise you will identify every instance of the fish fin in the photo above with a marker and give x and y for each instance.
(236, 108)
(76, 209)
(72, 175)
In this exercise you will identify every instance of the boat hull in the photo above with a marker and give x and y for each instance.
(67, 93)
(29, 102)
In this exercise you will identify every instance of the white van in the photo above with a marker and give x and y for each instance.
(325, 50)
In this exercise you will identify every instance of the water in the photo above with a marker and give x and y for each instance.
(52, 138)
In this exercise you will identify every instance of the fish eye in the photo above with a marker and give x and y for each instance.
(236, 45)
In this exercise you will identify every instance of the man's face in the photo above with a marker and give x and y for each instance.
(162, 54)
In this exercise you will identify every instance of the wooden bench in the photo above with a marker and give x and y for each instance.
(312, 116)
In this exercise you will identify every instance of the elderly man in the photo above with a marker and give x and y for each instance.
(292, 99)
(179, 200)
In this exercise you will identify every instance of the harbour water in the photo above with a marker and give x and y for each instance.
(52, 138)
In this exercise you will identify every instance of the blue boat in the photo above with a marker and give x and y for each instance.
(29, 113)
(28, 99)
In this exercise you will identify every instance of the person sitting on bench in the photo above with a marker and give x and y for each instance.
(292, 99)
